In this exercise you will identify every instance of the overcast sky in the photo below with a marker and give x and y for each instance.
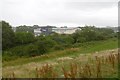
(71, 13)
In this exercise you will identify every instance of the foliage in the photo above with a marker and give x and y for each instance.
(8, 37)
(63, 39)
(81, 49)
(25, 28)
(90, 33)
(24, 37)
(32, 50)
(45, 44)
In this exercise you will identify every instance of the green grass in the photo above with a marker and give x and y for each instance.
(20, 65)
(101, 45)
(89, 47)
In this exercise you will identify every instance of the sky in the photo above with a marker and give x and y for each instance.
(71, 13)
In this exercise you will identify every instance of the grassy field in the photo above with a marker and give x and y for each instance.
(62, 62)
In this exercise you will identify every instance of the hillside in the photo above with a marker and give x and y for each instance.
(61, 62)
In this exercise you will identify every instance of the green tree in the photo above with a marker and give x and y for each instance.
(24, 38)
(45, 45)
(25, 28)
(91, 33)
(31, 50)
(63, 39)
(8, 37)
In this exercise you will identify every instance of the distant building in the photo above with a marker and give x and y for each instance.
(43, 30)
(65, 30)
(37, 31)
(14, 29)
(46, 30)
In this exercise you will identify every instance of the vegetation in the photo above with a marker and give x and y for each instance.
(8, 36)
(90, 33)
(98, 65)
(23, 43)
(83, 48)
(25, 28)
(24, 38)
(21, 48)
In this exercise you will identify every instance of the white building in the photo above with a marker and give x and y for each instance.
(14, 29)
(59, 30)
(65, 30)
(37, 31)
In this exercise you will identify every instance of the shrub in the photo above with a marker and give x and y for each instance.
(58, 47)
(7, 56)
(24, 38)
(32, 50)
(45, 45)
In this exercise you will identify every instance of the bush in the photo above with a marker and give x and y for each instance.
(18, 51)
(7, 56)
(32, 50)
(24, 38)
(58, 47)
(63, 39)
(45, 45)
(90, 33)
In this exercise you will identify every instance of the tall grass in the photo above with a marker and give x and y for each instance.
(87, 70)
(82, 71)
(46, 71)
